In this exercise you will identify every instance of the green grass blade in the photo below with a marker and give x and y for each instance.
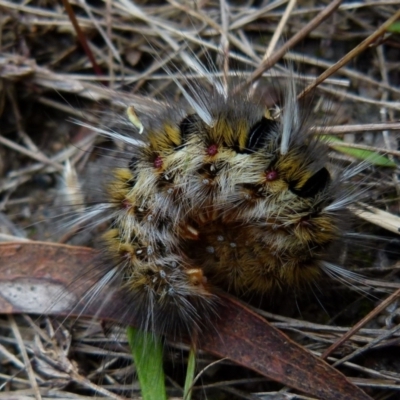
(147, 352)
(394, 28)
(367, 155)
(187, 391)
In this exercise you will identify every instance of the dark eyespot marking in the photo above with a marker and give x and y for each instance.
(258, 134)
(313, 186)
(188, 125)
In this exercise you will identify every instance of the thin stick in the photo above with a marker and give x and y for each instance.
(361, 323)
(358, 128)
(322, 16)
(81, 37)
(36, 156)
(350, 55)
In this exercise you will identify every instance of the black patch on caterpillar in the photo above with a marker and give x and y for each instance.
(132, 182)
(188, 125)
(316, 184)
(258, 134)
(132, 164)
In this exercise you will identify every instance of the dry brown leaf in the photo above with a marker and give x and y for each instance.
(36, 278)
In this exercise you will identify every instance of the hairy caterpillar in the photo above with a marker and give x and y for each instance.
(219, 195)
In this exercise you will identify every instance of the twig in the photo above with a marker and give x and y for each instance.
(351, 54)
(321, 17)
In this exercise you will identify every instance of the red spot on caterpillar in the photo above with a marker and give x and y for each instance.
(158, 162)
(212, 150)
(271, 175)
(126, 204)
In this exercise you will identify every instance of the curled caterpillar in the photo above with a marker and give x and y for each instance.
(221, 194)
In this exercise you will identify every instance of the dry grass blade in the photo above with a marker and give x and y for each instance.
(27, 362)
(268, 63)
(340, 130)
(381, 218)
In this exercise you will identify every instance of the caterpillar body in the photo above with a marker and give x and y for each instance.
(221, 194)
